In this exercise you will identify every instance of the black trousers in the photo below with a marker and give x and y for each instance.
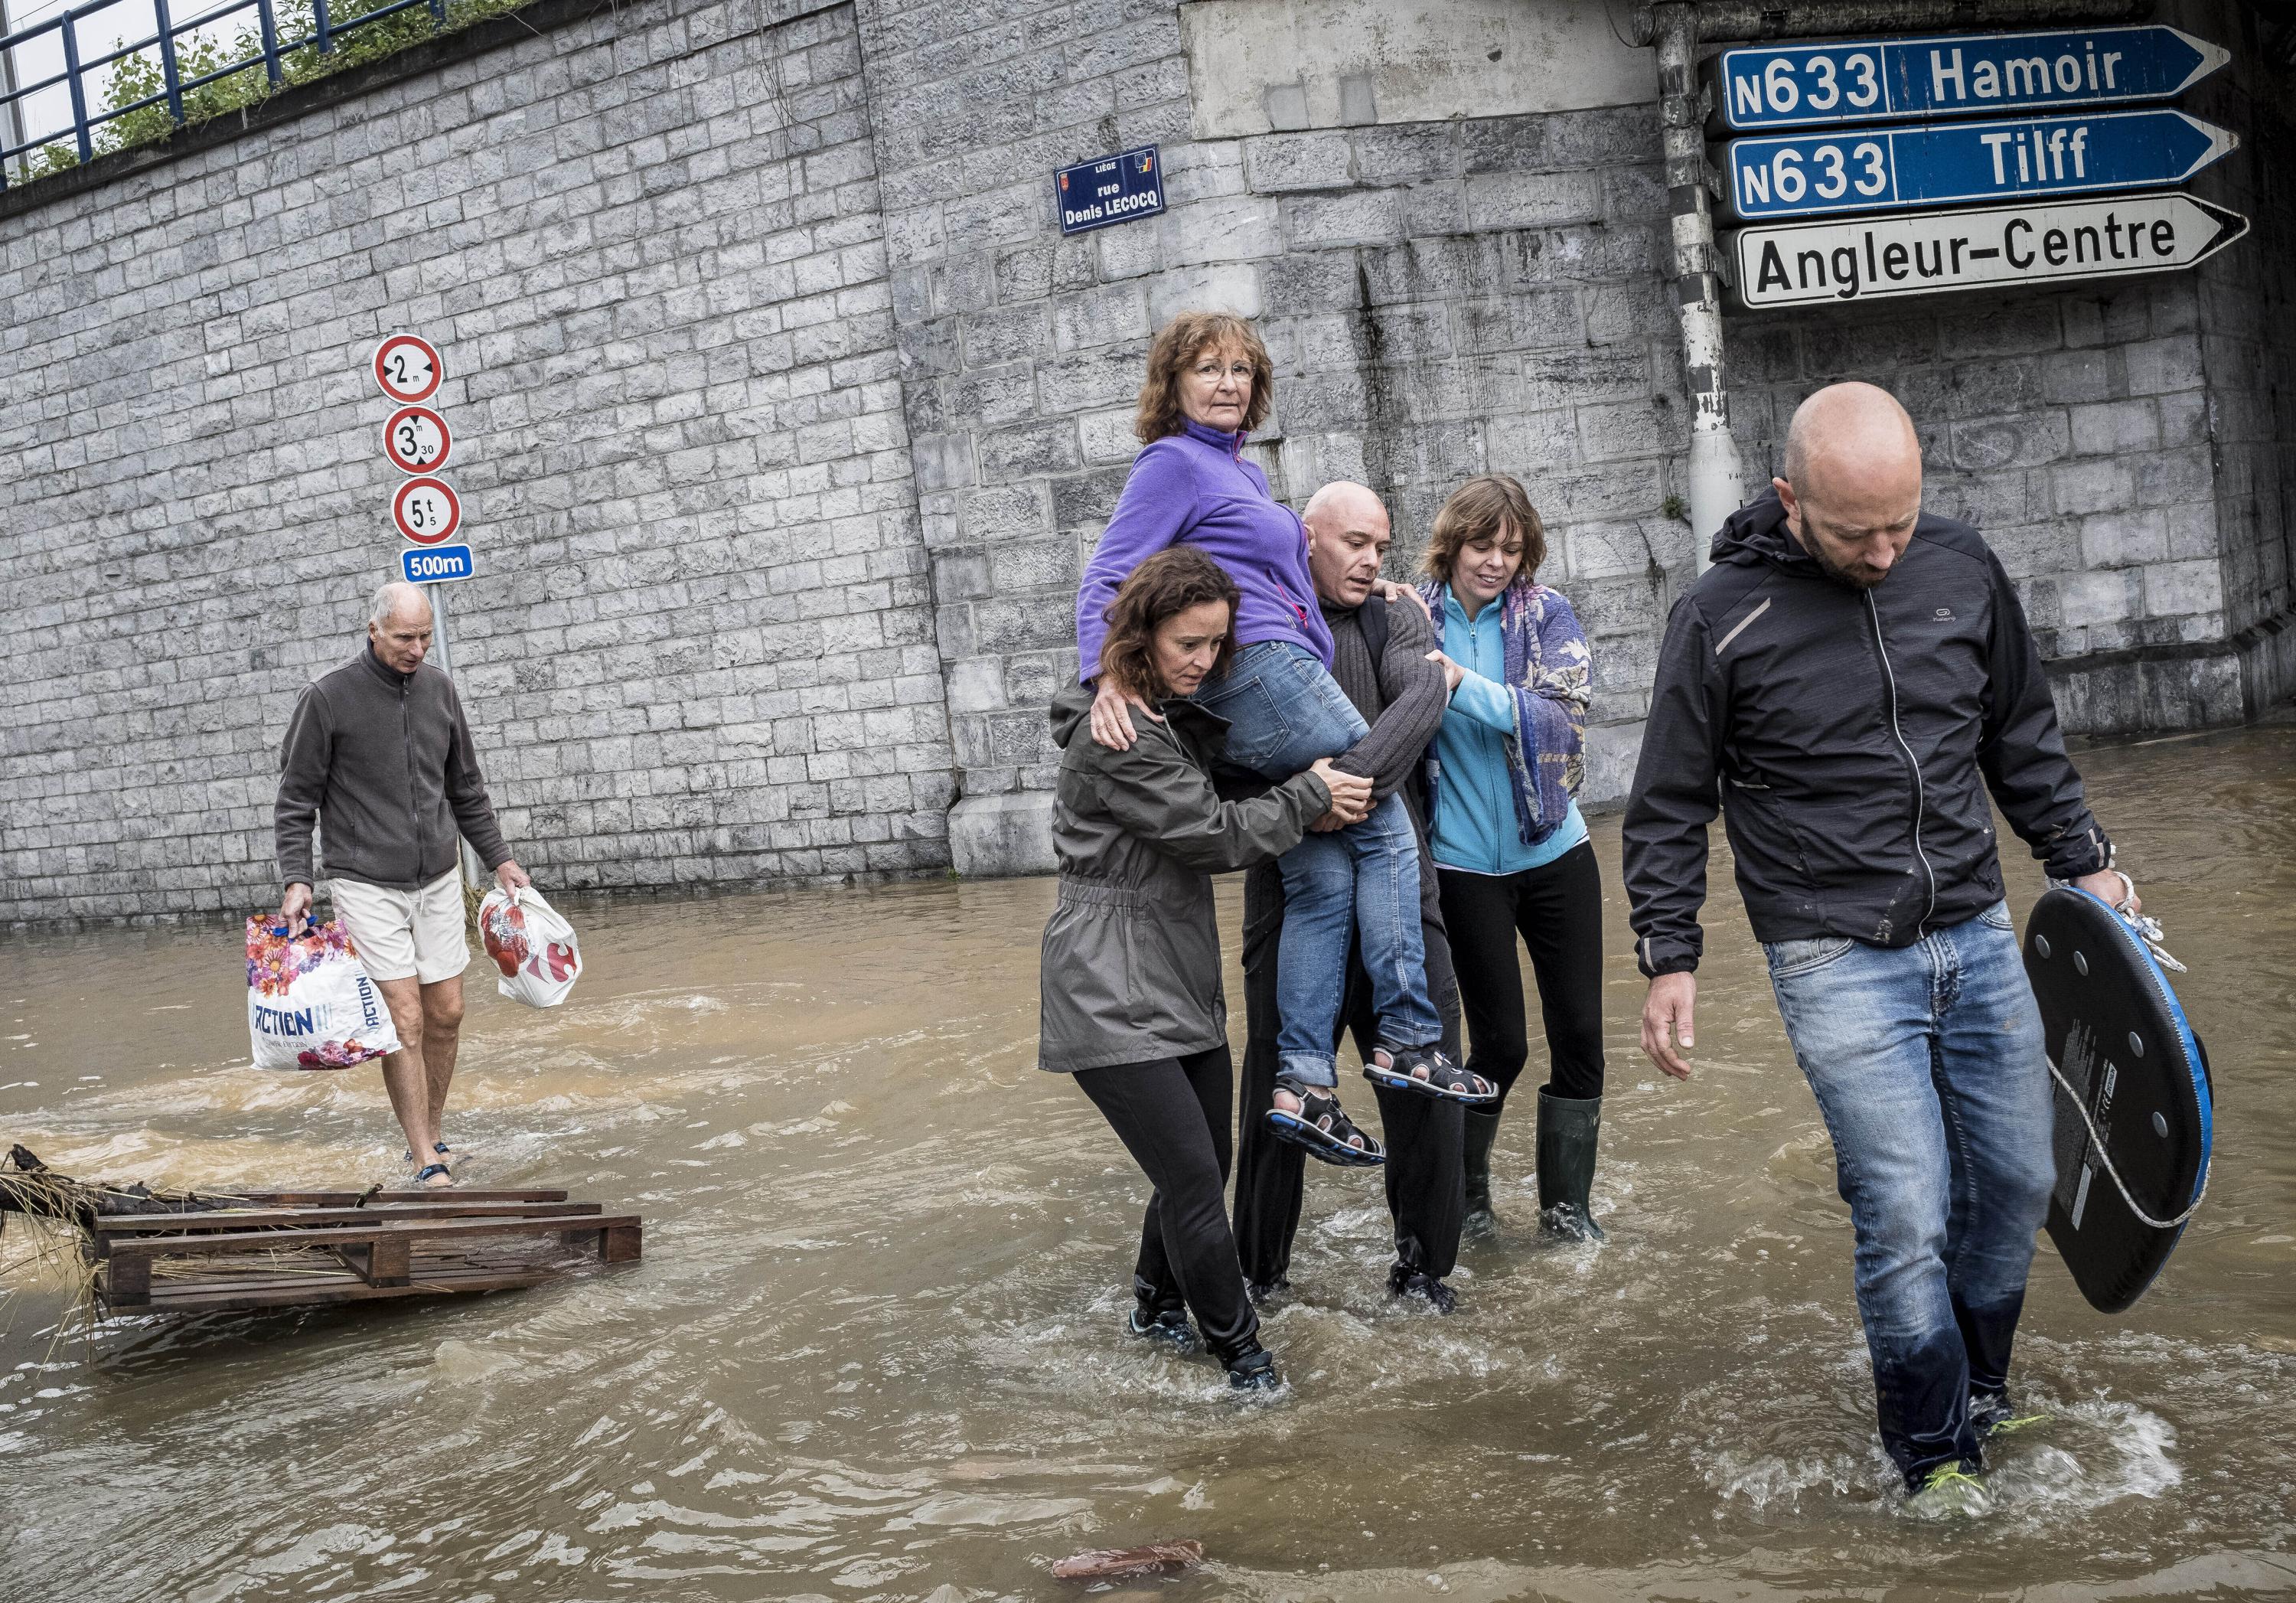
(1426, 1181)
(1171, 1114)
(1557, 909)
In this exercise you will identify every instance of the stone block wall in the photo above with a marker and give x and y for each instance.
(1440, 298)
(700, 644)
(2247, 326)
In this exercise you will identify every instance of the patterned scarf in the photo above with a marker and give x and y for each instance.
(1550, 672)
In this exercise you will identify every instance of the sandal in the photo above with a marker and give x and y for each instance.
(1425, 1071)
(1323, 1127)
(433, 1177)
(446, 1154)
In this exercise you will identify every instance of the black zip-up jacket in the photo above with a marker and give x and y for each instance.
(384, 761)
(1843, 734)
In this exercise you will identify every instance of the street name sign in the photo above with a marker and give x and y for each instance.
(1957, 75)
(427, 511)
(435, 564)
(2041, 242)
(408, 369)
(417, 439)
(1877, 170)
(1116, 189)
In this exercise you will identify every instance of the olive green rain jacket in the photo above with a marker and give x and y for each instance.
(1132, 958)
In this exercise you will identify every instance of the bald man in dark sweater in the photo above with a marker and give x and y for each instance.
(1379, 658)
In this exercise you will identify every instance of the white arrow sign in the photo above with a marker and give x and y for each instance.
(2046, 241)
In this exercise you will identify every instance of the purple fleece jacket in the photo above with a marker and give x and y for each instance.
(1195, 486)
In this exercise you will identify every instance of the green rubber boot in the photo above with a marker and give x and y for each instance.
(1567, 1132)
(1482, 1129)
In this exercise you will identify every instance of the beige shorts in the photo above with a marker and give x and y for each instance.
(406, 935)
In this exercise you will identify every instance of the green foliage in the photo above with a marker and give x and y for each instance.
(140, 76)
(1675, 507)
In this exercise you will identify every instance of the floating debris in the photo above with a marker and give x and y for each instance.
(1129, 1561)
(139, 1250)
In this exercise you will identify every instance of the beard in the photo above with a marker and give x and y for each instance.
(1856, 578)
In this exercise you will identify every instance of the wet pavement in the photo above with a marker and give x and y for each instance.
(871, 1352)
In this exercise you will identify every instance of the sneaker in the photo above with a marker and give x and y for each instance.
(1404, 1281)
(1168, 1329)
(1994, 1415)
(1948, 1491)
(1254, 1371)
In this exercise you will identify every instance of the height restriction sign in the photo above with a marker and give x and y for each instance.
(408, 368)
(427, 511)
(417, 439)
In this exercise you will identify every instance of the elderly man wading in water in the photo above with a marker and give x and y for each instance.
(379, 753)
(1846, 684)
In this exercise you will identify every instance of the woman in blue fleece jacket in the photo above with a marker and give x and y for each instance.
(1510, 848)
(1210, 384)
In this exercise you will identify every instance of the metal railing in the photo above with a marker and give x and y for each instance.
(326, 32)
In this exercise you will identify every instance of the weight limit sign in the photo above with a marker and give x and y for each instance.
(427, 511)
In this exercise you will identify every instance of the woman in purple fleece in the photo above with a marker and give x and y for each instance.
(1210, 384)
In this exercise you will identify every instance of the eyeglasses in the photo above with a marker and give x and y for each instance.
(1208, 371)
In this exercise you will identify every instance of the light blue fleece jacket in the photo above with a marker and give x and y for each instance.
(1474, 824)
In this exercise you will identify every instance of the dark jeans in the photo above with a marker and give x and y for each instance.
(1426, 1187)
(1171, 1114)
(1929, 1067)
(1557, 909)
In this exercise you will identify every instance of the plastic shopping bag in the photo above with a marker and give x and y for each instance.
(531, 944)
(309, 1002)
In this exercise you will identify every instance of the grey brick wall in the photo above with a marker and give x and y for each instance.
(1440, 299)
(2248, 354)
(701, 647)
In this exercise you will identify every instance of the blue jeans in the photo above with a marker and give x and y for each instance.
(1929, 1067)
(1284, 710)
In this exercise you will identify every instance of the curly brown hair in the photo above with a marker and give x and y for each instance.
(1167, 584)
(1480, 508)
(1177, 346)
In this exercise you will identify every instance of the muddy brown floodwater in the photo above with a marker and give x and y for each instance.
(871, 1352)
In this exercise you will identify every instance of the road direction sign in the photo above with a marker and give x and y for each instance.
(408, 368)
(1877, 170)
(1956, 75)
(417, 439)
(427, 511)
(2040, 242)
(437, 564)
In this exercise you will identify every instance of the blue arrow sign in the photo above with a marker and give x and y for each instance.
(1954, 75)
(1874, 170)
(435, 564)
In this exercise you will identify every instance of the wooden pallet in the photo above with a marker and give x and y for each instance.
(282, 1249)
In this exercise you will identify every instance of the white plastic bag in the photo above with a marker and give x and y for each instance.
(310, 1004)
(531, 944)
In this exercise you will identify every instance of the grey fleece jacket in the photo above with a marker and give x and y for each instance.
(386, 760)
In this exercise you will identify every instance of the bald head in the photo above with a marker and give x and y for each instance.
(1347, 538)
(398, 626)
(1852, 488)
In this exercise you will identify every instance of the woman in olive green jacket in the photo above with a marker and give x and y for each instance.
(1132, 1003)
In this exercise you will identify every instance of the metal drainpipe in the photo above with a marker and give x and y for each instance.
(1717, 477)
